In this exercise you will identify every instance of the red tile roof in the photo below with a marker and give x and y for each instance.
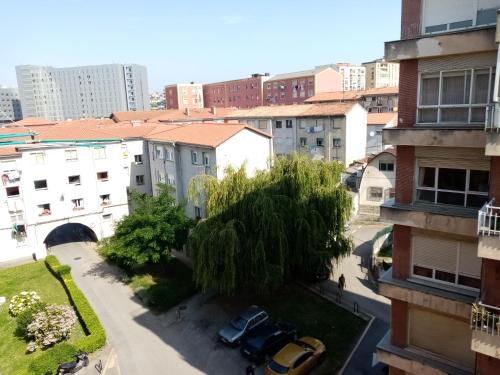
(382, 118)
(34, 121)
(294, 110)
(7, 151)
(336, 96)
(172, 115)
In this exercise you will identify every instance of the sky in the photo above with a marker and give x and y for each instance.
(195, 40)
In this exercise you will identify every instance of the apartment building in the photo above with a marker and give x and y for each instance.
(82, 92)
(183, 152)
(296, 87)
(381, 73)
(353, 76)
(375, 124)
(238, 93)
(378, 100)
(184, 95)
(323, 132)
(10, 105)
(444, 281)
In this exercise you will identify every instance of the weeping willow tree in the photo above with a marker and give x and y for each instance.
(261, 231)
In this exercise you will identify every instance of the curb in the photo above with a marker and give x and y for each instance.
(358, 343)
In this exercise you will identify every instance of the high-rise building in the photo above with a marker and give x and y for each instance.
(184, 95)
(353, 76)
(83, 91)
(381, 73)
(445, 278)
(10, 105)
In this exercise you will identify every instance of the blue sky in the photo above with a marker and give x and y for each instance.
(201, 41)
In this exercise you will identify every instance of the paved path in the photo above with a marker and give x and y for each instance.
(142, 343)
(361, 291)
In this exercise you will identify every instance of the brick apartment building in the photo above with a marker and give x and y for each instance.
(444, 285)
(296, 87)
(239, 93)
(184, 95)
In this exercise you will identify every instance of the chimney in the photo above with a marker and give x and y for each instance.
(186, 111)
(213, 110)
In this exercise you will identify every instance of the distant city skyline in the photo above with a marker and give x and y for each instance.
(196, 41)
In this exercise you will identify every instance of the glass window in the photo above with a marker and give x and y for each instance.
(40, 184)
(303, 142)
(139, 179)
(337, 142)
(429, 91)
(99, 153)
(74, 180)
(194, 157)
(278, 124)
(455, 88)
(289, 124)
(71, 155)
(138, 159)
(426, 177)
(319, 142)
(452, 179)
(102, 176)
(375, 193)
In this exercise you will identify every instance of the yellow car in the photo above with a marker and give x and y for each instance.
(297, 358)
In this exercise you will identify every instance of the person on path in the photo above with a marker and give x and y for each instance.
(342, 284)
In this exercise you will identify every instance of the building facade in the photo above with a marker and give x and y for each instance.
(238, 93)
(444, 281)
(184, 95)
(296, 87)
(82, 92)
(353, 76)
(10, 105)
(380, 73)
(375, 125)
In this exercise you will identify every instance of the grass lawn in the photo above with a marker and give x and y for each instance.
(162, 287)
(337, 328)
(31, 276)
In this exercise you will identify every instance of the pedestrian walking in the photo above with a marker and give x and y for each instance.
(342, 284)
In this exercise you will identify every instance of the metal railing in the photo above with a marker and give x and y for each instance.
(485, 318)
(492, 119)
(488, 220)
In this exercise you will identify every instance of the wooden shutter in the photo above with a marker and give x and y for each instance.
(435, 252)
(469, 263)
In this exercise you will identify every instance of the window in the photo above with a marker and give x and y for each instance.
(38, 157)
(262, 124)
(458, 187)
(71, 155)
(288, 124)
(455, 96)
(12, 191)
(138, 159)
(206, 158)
(194, 157)
(44, 209)
(303, 142)
(159, 152)
(170, 180)
(197, 212)
(336, 142)
(99, 153)
(319, 142)
(169, 154)
(456, 262)
(374, 194)
(139, 179)
(105, 200)
(74, 180)
(40, 184)
(77, 204)
(389, 193)
(102, 176)
(278, 124)
(107, 217)
(386, 166)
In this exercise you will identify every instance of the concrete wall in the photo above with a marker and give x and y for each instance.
(356, 120)
(374, 177)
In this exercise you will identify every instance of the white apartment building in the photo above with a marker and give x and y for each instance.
(381, 73)
(322, 131)
(82, 92)
(179, 154)
(353, 76)
(10, 105)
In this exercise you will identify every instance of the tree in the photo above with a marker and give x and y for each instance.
(148, 234)
(262, 231)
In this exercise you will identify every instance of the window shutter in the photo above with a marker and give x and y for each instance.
(448, 157)
(469, 263)
(435, 253)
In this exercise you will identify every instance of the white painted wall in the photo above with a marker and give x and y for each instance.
(373, 177)
(355, 142)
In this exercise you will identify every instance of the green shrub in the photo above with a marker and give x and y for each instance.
(62, 352)
(26, 317)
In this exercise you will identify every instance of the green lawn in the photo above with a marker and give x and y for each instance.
(162, 287)
(337, 328)
(31, 276)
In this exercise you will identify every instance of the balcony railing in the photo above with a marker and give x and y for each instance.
(488, 221)
(485, 318)
(492, 120)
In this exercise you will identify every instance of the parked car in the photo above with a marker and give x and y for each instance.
(297, 358)
(235, 331)
(267, 339)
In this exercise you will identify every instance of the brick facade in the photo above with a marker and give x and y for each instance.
(410, 18)
(405, 167)
(407, 110)
(495, 178)
(239, 93)
(396, 371)
(490, 281)
(401, 251)
(486, 365)
(399, 323)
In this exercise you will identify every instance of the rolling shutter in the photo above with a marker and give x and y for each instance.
(469, 263)
(476, 60)
(435, 252)
(462, 158)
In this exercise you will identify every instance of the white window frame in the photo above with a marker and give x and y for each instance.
(303, 141)
(436, 190)
(369, 195)
(102, 178)
(194, 157)
(44, 188)
(71, 155)
(99, 153)
(38, 157)
(78, 204)
(470, 106)
(386, 163)
(136, 157)
(288, 124)
(205, 158)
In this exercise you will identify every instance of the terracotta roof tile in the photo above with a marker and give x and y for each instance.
(351, 95)
(170, 115)
(8, 151)
(34, 121)
(294, 110)
(382, 118)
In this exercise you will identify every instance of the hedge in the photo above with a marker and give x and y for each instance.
(95, 336)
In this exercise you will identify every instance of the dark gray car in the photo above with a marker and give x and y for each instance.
(233, 333)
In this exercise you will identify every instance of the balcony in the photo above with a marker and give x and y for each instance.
(492, 130)
(485, 325)
(437, 136)
(488, 230)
